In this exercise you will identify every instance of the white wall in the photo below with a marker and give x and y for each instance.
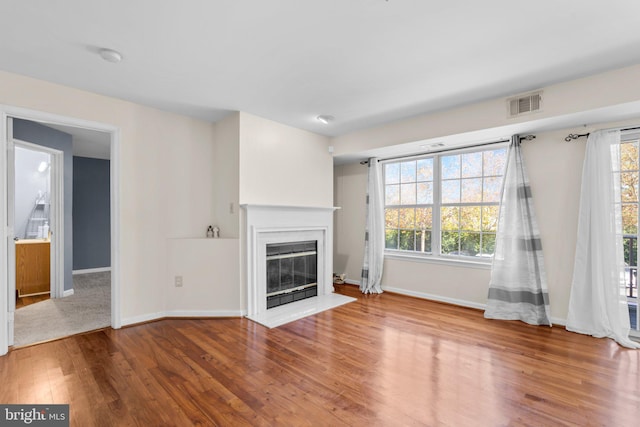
(281, 165)
(210, 270)
(227, 175)
(349, 221)
(167, 179)
(30, 184)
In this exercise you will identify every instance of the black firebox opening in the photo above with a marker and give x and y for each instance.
(291, 272)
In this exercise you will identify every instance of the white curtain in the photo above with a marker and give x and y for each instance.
(370, 282)
(598, 304)
(518, 286)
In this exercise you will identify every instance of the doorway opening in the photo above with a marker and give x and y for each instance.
(36, 201)
(67, 287)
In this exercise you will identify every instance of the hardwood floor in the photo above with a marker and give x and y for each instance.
(385, 360)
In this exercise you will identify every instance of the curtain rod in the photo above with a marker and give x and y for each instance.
(444, 150)
(572, 136)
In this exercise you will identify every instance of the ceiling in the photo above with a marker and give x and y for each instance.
(364, 62)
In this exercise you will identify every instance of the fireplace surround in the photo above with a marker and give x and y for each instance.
(267, 226)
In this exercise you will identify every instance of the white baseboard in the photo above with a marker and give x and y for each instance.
(204, 313)
(432, 297)
(67, 293)
(91, 270)
(182, 313)
(555, 320)
(352, 282)
(142, 318)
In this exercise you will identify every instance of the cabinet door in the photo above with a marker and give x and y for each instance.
(32, 268)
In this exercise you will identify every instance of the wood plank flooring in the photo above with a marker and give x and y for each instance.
(385, 360)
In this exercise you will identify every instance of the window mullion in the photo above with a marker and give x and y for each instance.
(435, 212)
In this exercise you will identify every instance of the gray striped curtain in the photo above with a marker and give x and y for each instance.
(518, 286)
(371, 278)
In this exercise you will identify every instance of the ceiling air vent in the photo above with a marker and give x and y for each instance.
(525, 104)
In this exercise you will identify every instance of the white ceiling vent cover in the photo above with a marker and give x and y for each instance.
(525, 104)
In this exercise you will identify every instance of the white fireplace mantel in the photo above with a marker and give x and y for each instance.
(265, 224)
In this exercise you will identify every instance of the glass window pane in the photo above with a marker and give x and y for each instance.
(407, 218)
(629, 186)
(488, 244)
(450, 242)
(630, 247)
(425, 193)
(472, 165)
(472, 190)
(450, 166)
(629, 156)
(451, 191)
(449, 218)
(469, 244)
(391, 218)
(423, 241)
(392, 194)
(491, 190)
(392, 173)
(494, 161)
(425, 170)
(470, 218)
(469, 187)
(407, 240)
(490, 218)
(630, 218)
(408, 171)
(408, 194)
(391, 239)
(423, 219)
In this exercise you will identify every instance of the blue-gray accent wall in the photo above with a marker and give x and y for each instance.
(36, 133)
(91, 213)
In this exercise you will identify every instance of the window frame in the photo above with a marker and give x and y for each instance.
(625, 138)
(436, 256)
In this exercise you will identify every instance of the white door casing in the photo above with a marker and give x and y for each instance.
(6, 233)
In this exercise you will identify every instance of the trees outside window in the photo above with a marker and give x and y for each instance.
(444, 204)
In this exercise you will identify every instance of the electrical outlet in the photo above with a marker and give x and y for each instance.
(178, 281)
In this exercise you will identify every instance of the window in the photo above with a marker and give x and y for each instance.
(629, 177)
(444, 204)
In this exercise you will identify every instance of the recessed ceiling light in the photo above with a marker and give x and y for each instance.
(324, 119)
(110, 55)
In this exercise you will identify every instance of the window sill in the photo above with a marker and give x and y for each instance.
(434, 259)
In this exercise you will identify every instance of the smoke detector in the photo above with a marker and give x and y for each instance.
(110, 55)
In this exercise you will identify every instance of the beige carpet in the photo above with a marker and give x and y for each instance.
(88, 308)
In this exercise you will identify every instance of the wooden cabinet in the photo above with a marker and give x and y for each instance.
(33, 267)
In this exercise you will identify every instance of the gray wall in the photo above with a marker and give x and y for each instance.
(48, 137)
(91, 213)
